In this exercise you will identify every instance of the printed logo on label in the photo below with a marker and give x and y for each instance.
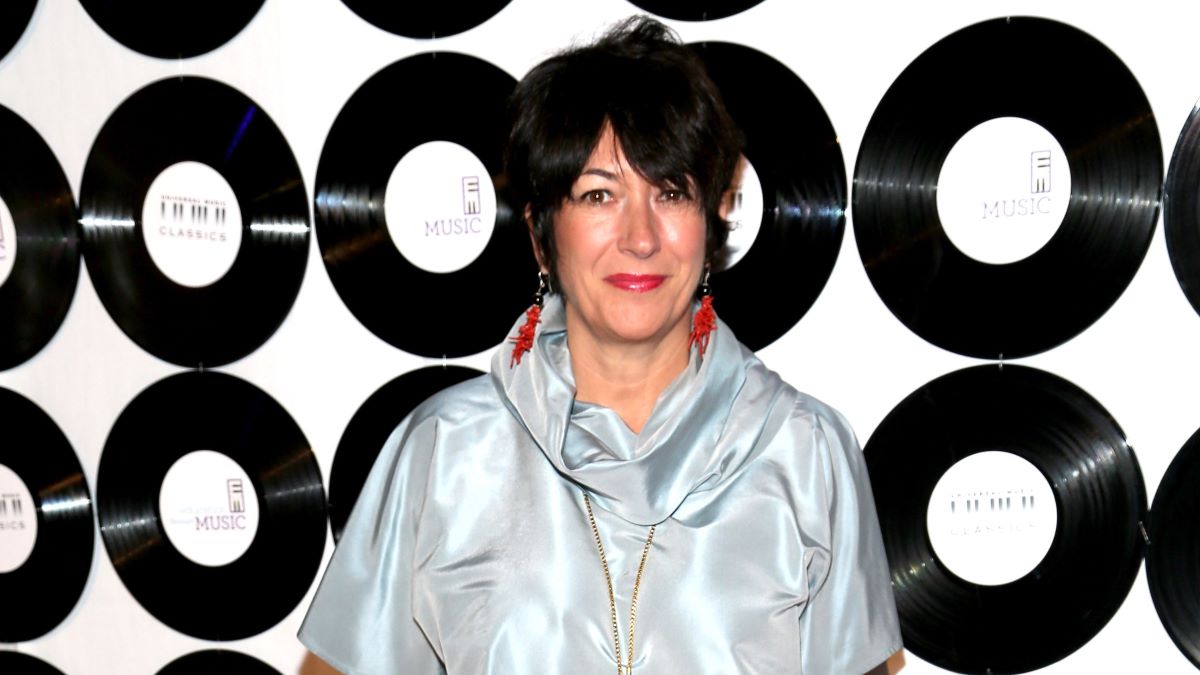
(209, 508)
(440, 207)
(992, 518)
(192, 224)
(18, 521)
(745, 212)
(1003, 190)
(8, 242)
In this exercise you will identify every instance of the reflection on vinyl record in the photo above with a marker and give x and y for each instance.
(789, 209)
(211, 505)
(1174, 552)
(212, 661)
(695, 10)
(14, 18)
(195, 221)
(24, 664)
(369, 430)
(46, 534)
(1010, 505)
(1003, 213)
(426, 19)
(39, 242)
(172, 30)
(1181, 209)
(414, 228)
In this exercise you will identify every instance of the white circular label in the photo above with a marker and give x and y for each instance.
(192, 224)
(209, 508)
(18, 521)
(440, 206)
(1003, 190)
(745, 212)
(992, 518)
(8, 242)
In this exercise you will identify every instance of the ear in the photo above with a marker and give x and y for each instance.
(533, 239)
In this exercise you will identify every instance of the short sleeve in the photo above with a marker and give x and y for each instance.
(361, 619)
(849, 624)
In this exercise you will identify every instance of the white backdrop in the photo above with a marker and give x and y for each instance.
(300, 60)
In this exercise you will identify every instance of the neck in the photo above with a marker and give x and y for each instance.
(626, 377)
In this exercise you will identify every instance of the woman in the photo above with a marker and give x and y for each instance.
(626, 456)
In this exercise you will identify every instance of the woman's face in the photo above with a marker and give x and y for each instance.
(630, 253)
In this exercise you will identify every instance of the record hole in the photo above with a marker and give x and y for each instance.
(18, 521)
(209, 508)
(1003, 190)
(973, 528)
(192, 224)
(440, 206)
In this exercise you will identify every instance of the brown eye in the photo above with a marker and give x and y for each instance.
(594, 197)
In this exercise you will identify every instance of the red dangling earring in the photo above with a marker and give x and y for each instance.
(705, 321)
(523, 340)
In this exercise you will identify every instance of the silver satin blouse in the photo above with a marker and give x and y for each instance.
(469, 550)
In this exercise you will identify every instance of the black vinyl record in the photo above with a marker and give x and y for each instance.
(1071, 85)
(794, 150)
(370, 428)
(212, 661)
(24, 664)
(1174, 552)
(194, 122)
(177, 29)
(39, 246)
(426, 19)
(695, 10)
(432, 314)
(1097, 545)
(42, 590)
(14, 18)
(212, 411)
(1181, 209)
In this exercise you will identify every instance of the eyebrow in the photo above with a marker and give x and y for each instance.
(599, 172)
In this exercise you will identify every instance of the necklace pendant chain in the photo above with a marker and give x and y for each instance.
(627, 668)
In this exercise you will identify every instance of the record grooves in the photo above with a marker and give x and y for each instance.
(43, 258)
(793, 148)
(207, 123)
(1096, 551)
(178, 29)
(426, 20)
(370, 428)
(42, 591)
(431, 314)
(1181, 209)
(1174, 552)
(1078, 91)
(195, 411)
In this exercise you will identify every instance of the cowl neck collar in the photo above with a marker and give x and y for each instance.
(641, 477)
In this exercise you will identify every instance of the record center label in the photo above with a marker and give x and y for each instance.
(192, 224)
(8, 242)
(992, 518)
(745, 212)
(1003, 190)
(440, 207)
(209, 508)
(18, 521)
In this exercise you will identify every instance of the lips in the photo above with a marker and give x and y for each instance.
(636, 283)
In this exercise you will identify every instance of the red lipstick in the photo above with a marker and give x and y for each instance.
(637, 283)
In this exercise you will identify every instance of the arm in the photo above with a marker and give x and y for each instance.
(361, 619)
(850, 624)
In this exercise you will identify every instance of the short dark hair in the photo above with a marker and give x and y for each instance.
(664, 110)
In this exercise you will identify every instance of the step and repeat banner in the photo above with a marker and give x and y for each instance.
(240, 240)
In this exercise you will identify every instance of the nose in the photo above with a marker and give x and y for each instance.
(641, 228)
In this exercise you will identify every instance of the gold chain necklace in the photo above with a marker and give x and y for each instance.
(612, 602)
